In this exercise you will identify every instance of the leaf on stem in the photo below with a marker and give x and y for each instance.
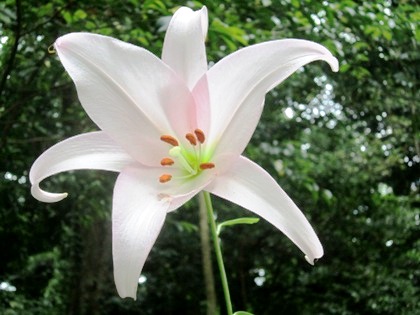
(235, 222)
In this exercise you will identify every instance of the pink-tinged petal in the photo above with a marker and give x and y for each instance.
(128, 92)
(140, 205)
(87, 151)
(138, 215)
(184, 46)
(233, 90)
(179, 191)
(251, 187)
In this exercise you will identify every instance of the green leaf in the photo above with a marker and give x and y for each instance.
(415, 16)
(67, 17)
(79, 15)
(185, 226)
(235, 222)
(155, 5)
(242, 313)
(417, 34)
(229, 32)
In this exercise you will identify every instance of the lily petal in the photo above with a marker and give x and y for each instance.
(251, 187)
(128, 92)
(87, 151)
(180, 191)
(236, 87)
(184, 48)
(137, 218)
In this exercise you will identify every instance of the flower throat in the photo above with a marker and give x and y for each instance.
(191, 162)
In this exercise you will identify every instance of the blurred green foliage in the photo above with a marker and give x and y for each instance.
(345, 146)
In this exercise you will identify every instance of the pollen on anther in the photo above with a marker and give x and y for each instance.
(207, 166)
(200, 135)
(167, 162)
(165, 178)
(190, 137)
(169, 139)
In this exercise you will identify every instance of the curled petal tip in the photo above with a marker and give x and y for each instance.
(334, 64)
(44, 196)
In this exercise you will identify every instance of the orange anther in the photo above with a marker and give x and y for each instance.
(165, 178)
(200, 135)
(190, 137)
(206, 166)
(169, 139)
(166, 162)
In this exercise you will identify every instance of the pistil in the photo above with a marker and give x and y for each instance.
(176, 152)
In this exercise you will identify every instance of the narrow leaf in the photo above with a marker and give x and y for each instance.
(235, 222)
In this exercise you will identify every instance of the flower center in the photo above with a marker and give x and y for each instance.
(189, 159)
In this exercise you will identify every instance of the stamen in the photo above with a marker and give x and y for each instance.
(200, 135)
(167, 162)
(165, 178)
(190, 137)
(187, 160)
(169, 139)
(206, 166)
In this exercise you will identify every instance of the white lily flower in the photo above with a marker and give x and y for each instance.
(173, 128)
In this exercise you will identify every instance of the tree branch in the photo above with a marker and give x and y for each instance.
(206, 258)
(10, 61)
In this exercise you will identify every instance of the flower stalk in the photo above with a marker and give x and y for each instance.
(219, 257)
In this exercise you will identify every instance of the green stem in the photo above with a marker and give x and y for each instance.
(218, 250)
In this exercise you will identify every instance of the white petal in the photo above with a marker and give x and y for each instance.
(128, 92)
(251, 187)
(184, 48)
(137, 218)
(87, 151)
(179, 191)
(235, 87)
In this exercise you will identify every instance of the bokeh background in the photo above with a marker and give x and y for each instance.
(345, 146)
